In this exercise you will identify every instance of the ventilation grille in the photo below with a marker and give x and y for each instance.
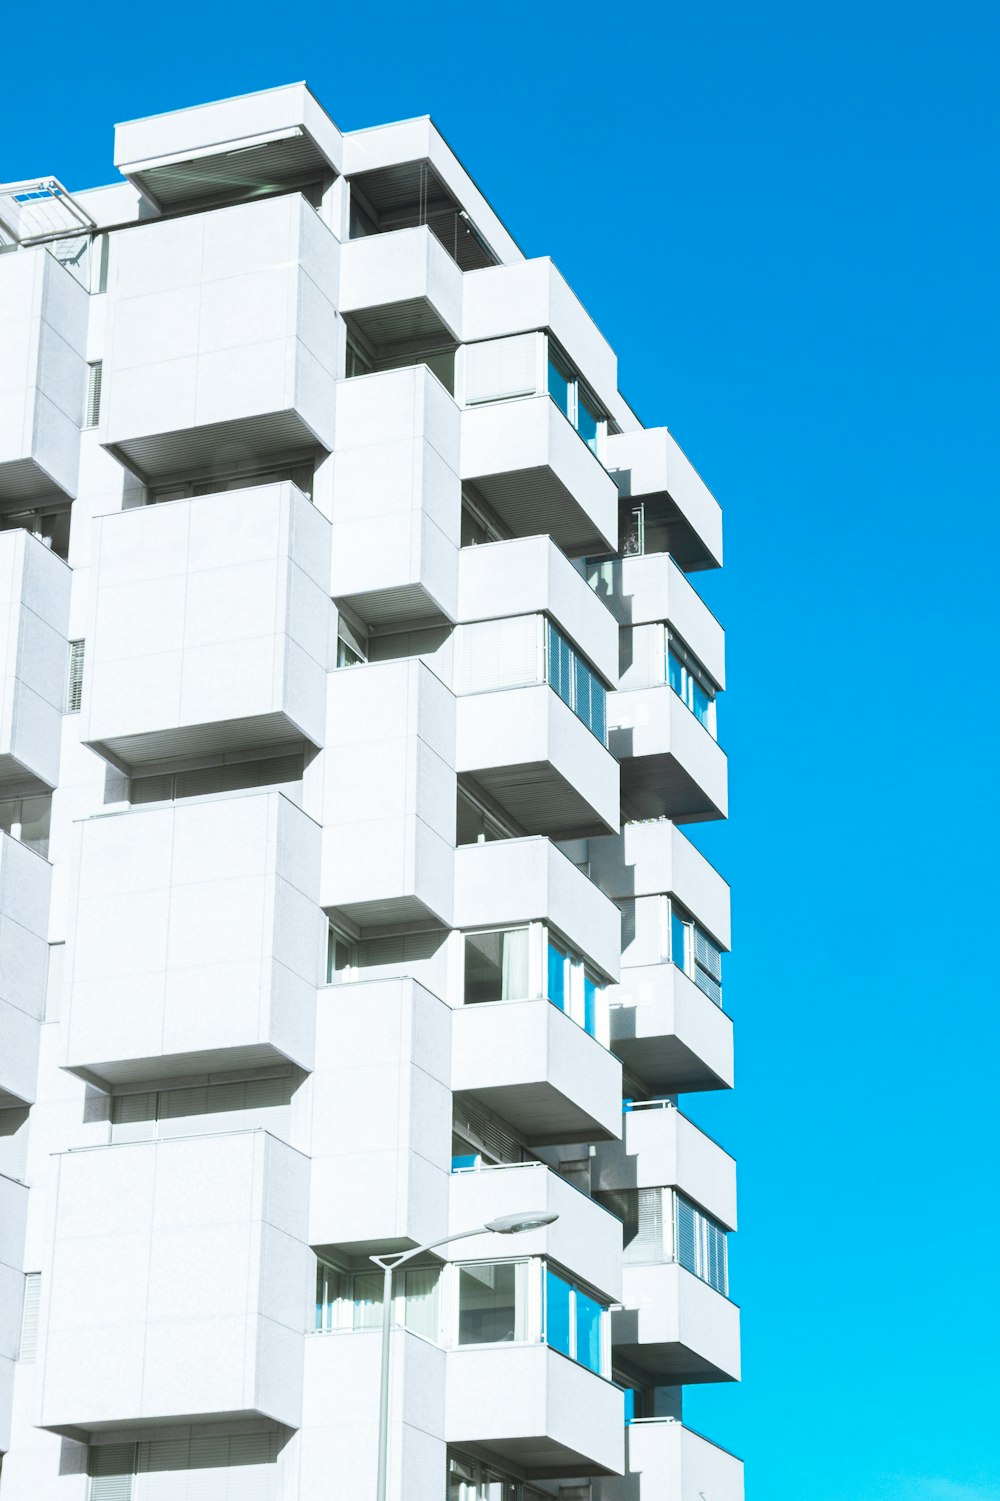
(95, 375)
(74, 688)
(29, 1315)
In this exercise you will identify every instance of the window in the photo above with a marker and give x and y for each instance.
(217, 1467)
(341, 955)
(95, 374)
(576, 683)
(575, 1322)
(51, 527)
(29, 1316)
(203, 1109)
(496, 966)
(575, 402)
(691, 683)
(492, 1302)
(516, 964)
(479, 526)
(475, 824)
(282, 770)
(358, 362)
(74, 683)
(660, 1224)
(349, 1301)
(27, 820)
(475, 1480)
(571, 986)
(700, 1244)
(699, 956)
(99, 263)
(481, 1139)
(352, 643)
(299, 474)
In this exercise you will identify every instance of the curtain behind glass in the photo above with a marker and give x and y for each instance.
(515, 964)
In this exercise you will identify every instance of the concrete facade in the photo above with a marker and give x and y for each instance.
(353, 688)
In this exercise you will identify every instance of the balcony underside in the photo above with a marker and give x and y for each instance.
(533, 501)
(391, 605)
(540, 1458)
(666, 1064)
(255, 732)
(25, 479)
(543, 1114)
(215, 445)
(396, 323)
(541, 801)
(658, 786)
(669, 1364)
(178, 1065)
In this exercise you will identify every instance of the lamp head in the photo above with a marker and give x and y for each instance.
(514, 1224)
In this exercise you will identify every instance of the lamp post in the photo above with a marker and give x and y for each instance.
(507, 1224)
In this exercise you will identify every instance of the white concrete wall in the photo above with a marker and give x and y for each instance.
(649, 859)
(396, 495)
(34, 613)
(648, 461)
(694, 1326)
(13, 1217)
(25, 883)
(649, 724)
(640, 591)
(43, 375)
(380, 1131)
(209, 625)
(668, 1032)
(404, 265)
(226, 318)
(667, 1459)
(531, 575)
(389, 794)
(661, 1148)
(195, 942)
(165, 1251)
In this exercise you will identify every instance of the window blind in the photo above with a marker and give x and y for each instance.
(74, 687)
(498, 369)
(29, 1315)
(497, 654)
(95, 376)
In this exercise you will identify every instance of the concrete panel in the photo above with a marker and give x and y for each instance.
(195, 943)
(676, 1327)
(641, 590)
(167, 1249)
(534, 1408)
(209, 626)
(530, 576)
(666, 1459)
(669, 1033)
(25, 881)
(43, 375)
(655, 858)
(538, 1069)
(649, 462)
(380, 1131)
(661, 1148)
(671, 765)
(402, 266)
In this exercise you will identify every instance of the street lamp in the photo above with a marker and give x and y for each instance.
(507, 1224)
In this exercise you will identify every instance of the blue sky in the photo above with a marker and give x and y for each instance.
(784, 218)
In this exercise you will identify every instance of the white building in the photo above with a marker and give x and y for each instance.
(353, 692)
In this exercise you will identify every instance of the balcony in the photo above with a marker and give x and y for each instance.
(671, 767)
(43, 375)
(661, 1147)
(340, 1416)
(529, 1407)
(666, 505)
(539, 475)
(586, 1239)
(401, 286)
(196, 944)
(13, 1216)
(537, 1069)
(396, 498)
(381, 1130)
(209, 628)
(267, 142)
(653, 859)
(642, 593)
(664, 1458)
(388, 848)
(34, 600)
(25, 880)
(531, 576)
(164, 1251)
(675, 1327)
(669, 1033)
(538, 761)
(512, 881)
(223, 339)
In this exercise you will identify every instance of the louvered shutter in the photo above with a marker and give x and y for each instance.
(708, 966)
(648, 1243)
(29, 1315)
(498, 369)
(95, 375)
(74, 688)
(111, 1467)
(685, 1233)
(486, 1131)
(497, 654)
(133, 1116)
(151, 789)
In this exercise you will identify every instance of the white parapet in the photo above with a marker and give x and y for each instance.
(181, 1284)
(196, 942)
(34, 607)
(25, 880)
(43, 375)
(209, 626)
